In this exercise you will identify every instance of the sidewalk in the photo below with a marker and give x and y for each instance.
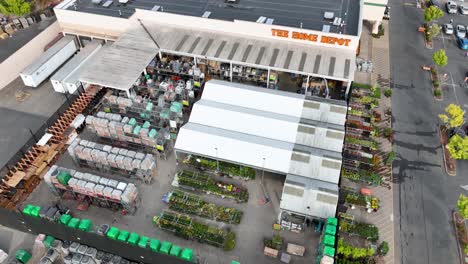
(377, 51)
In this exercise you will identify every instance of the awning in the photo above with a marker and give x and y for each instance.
(327, 62)
(120, 65)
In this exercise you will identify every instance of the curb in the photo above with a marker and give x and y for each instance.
(443, 156)
(454, 223)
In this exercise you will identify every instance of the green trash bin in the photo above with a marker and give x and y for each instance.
(64, 219)
(123, 236)
(235, 262)
(165, 247)
(329, 251)
(27, 210)
(175, 251)
(73, 223)
(35, 211)
(329, 240)
(48, 240)
(330, 230)
(133, 238)
(187, 254)
(332, 221)
(85, 225)
(23, 256)
(155, 245)
(143, 243)
(63, 177)
(113, 233)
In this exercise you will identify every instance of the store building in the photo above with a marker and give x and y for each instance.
(308, 49)
(285, 133)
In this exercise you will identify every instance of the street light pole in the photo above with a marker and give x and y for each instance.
(263, 169)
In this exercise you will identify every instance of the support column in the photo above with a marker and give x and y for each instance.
(144, 71)
(307, 85)
(230, 70)
(79, 41)
(160, 54)
(348, 87)
(268, 79)
(195, 61)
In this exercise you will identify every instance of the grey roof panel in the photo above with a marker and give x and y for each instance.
(331, 68)
(182, 42)
(346, 68)
(260, 55)
(273, 57)
(207, 46)
(288, 59)
(302, 62)
(220, 48)
(233, 50)
(317, 63)
(246, 53)
(194, 44)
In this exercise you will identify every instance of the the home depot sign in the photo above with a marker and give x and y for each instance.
(310, 37)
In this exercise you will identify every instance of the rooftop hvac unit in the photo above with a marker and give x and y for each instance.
(269, 21)
(156, 8)
(123, 1)
(107, 3)
(261, 19)
(96, 2)
(329, 15)
(206, 14)
(337, 21)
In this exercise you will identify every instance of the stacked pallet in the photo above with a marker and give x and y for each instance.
(31, 166)
(139, 163)
(125, 129)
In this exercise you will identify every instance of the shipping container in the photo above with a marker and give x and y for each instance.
(48, 62)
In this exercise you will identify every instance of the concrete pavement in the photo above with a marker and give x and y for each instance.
(426, 194)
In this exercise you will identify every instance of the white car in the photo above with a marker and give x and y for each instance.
(451, 7)
(448, 29)
(464, 9)
(460, 31)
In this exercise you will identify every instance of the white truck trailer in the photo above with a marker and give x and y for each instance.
(58, 79)
(48, 62)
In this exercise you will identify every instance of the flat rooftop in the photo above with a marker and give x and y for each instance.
(292, 13)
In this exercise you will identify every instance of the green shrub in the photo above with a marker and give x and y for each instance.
(383, 248)
(437, 92)
(436, 84)
(390, 158)
(361, 85)
(230, 241)
(388, 92)
(387, 132)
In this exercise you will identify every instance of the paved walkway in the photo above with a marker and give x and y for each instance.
(377, 51)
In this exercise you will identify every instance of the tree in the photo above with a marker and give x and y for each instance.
(454, 116)
(15, 7)
(433, 12)
(440, 58)
(462, 205)
(458, 147)
(432, 31)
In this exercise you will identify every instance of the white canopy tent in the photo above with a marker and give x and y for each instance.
(245, 125)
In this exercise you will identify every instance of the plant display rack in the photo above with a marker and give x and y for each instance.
(207, 184)
(367, 231)
(367, 177)
(192, 204)
(225, 168)
(186, 227)
(364, 201)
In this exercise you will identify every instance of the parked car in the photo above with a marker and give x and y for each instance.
(463, 9)
(460, 31)
(462, 43)
(451, 7)
(448, 29)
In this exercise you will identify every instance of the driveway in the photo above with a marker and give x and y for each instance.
(426, 194)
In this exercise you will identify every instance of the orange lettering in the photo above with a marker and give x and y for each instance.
(280, 33)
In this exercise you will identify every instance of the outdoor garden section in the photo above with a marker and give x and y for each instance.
(364, 201)
(207, 184)
(225, 168)
(186, 227)
(192, 204)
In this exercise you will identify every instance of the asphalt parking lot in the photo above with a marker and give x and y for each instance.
(454, 87)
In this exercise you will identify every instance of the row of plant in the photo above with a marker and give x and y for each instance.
(362, 142)
(224, 167)
(186, 227)
(192, 204)
(356, 253)
(368, 177)
(358, 199)
(276, 242)
(207, 184)
(367, 231)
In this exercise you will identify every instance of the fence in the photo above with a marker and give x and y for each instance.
(36, 226)
(36, 136)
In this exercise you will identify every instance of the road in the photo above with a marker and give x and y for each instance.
(424, 194)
